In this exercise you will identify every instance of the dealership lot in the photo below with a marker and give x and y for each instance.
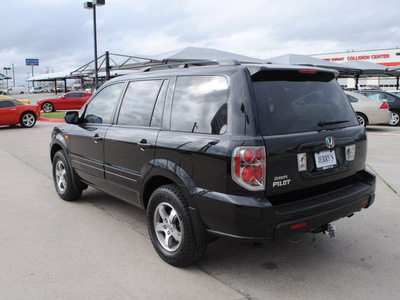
(99, 248)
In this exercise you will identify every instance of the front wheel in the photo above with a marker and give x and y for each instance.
(395, 120)
(27, 119)
(62, 178)
(47, 107)
(171, 227)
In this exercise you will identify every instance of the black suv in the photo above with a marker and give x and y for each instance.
(249, 152)
(393, 102)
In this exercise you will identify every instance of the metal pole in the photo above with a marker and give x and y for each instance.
(95, 48)
(7, 78)
(33, 81)
(107, 66)
(13, 75)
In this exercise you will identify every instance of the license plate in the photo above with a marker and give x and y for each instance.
(325, 160)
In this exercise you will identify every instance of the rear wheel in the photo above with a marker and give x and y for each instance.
(362, 119)
(27, 119)
(395, 120)
(62, 178)
(171, 227)
(47, 107)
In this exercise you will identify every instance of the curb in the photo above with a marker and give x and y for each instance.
(51, 120)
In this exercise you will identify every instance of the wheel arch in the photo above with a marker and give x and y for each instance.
(165, 171)
(27, 112)
(199, 226)
(151, 185)
(61, 144)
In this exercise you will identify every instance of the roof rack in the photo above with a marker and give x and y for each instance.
(189, 64)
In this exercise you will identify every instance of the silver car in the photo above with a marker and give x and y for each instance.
(369, 112)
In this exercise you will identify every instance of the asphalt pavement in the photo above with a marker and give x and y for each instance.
(98, 247)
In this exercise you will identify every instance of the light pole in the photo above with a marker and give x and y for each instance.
(6, 75)
(92, 5)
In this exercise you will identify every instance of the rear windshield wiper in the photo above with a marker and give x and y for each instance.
(324, 123)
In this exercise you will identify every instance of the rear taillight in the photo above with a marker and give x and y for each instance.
(248, 167)
(384, 106)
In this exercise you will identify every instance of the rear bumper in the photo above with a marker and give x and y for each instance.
(379, 117)
(256, 219)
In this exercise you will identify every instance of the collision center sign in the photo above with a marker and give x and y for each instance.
(32, 61)
(359, 57)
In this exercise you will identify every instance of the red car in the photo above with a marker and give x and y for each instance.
(13, 112)
(71, 100)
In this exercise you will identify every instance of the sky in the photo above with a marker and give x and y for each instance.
(60, 32)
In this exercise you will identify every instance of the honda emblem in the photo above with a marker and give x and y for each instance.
(330, 142)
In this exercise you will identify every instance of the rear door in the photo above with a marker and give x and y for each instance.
(130, 143)
(87, 139)
(310, 130)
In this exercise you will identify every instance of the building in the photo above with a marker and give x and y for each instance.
(386, 57)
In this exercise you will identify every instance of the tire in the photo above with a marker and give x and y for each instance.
(171, 228)
(47, 107)
(27, 119)
(362, 119)
(62, 178)
(395, 120)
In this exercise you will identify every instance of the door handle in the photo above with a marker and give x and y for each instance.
(143, 144)
(97, 138)
(13, 109)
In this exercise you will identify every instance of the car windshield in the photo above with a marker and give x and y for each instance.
(301, 103)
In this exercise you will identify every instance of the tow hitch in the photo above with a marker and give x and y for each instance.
(327, 229)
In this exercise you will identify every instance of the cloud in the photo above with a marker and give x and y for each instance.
(60, 33)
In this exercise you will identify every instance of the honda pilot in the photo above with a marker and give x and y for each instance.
(247, 152)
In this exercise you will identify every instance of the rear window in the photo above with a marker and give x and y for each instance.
(300, 103)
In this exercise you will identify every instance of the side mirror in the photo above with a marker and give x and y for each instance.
(62, 97)
(71, 117)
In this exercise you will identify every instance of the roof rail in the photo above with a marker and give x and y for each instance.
(189, 64)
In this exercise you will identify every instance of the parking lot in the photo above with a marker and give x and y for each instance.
(98, 247)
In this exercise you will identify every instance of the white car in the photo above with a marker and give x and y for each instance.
(369, 112)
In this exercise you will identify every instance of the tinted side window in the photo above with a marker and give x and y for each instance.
(388, 97)
(352, 99)
(200, 104)
(101, 108)
(5, 104)
(374, 96)
(138, 104)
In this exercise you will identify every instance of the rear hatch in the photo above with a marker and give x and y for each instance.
(314, 143)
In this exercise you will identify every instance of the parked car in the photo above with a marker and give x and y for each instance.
(37, 89)
(369, 112)
(16, 90)
(393, 102)
(13, 112)
(71, 100)
(249, 152)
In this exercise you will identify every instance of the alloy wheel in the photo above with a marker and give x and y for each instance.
(28, 120)
(61, 174)
(168, 227)
(47, 107)
(394, 121)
